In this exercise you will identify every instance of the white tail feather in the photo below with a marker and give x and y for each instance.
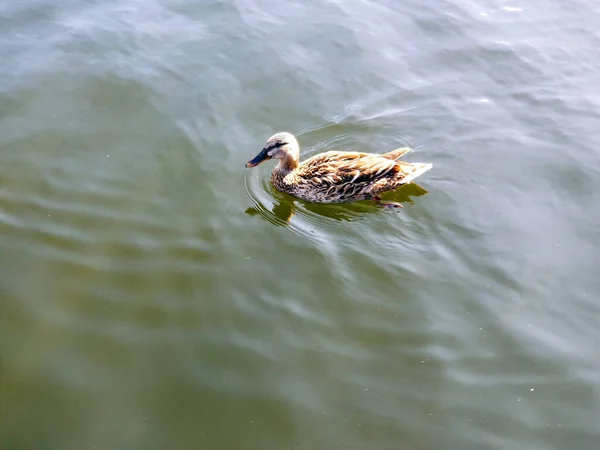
(420, 169)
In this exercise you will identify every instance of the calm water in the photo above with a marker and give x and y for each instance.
(154, 294)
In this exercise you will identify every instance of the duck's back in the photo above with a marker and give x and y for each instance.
(334, 176)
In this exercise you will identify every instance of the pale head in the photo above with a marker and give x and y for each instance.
(282, 146)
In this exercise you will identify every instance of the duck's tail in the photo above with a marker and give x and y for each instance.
(413, 170)
(395, 154)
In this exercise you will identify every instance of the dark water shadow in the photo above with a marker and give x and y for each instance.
(285, 206)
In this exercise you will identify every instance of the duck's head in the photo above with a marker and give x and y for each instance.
(282, 146)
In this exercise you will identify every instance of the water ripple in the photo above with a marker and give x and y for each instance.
(135, 290)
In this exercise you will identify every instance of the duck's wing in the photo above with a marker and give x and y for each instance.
(395, 154)
(339, 168)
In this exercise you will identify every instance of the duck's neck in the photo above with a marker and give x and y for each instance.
(286, 165)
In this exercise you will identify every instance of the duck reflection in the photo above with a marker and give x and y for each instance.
(285, 206)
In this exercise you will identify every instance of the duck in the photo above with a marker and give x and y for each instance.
(336, 176)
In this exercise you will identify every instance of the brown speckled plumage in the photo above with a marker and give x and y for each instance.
(335, 177)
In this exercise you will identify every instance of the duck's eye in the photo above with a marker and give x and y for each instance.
(277, 145)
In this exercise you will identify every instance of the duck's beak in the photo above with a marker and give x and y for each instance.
(261, 157)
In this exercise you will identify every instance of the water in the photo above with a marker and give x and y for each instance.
(155, 294)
